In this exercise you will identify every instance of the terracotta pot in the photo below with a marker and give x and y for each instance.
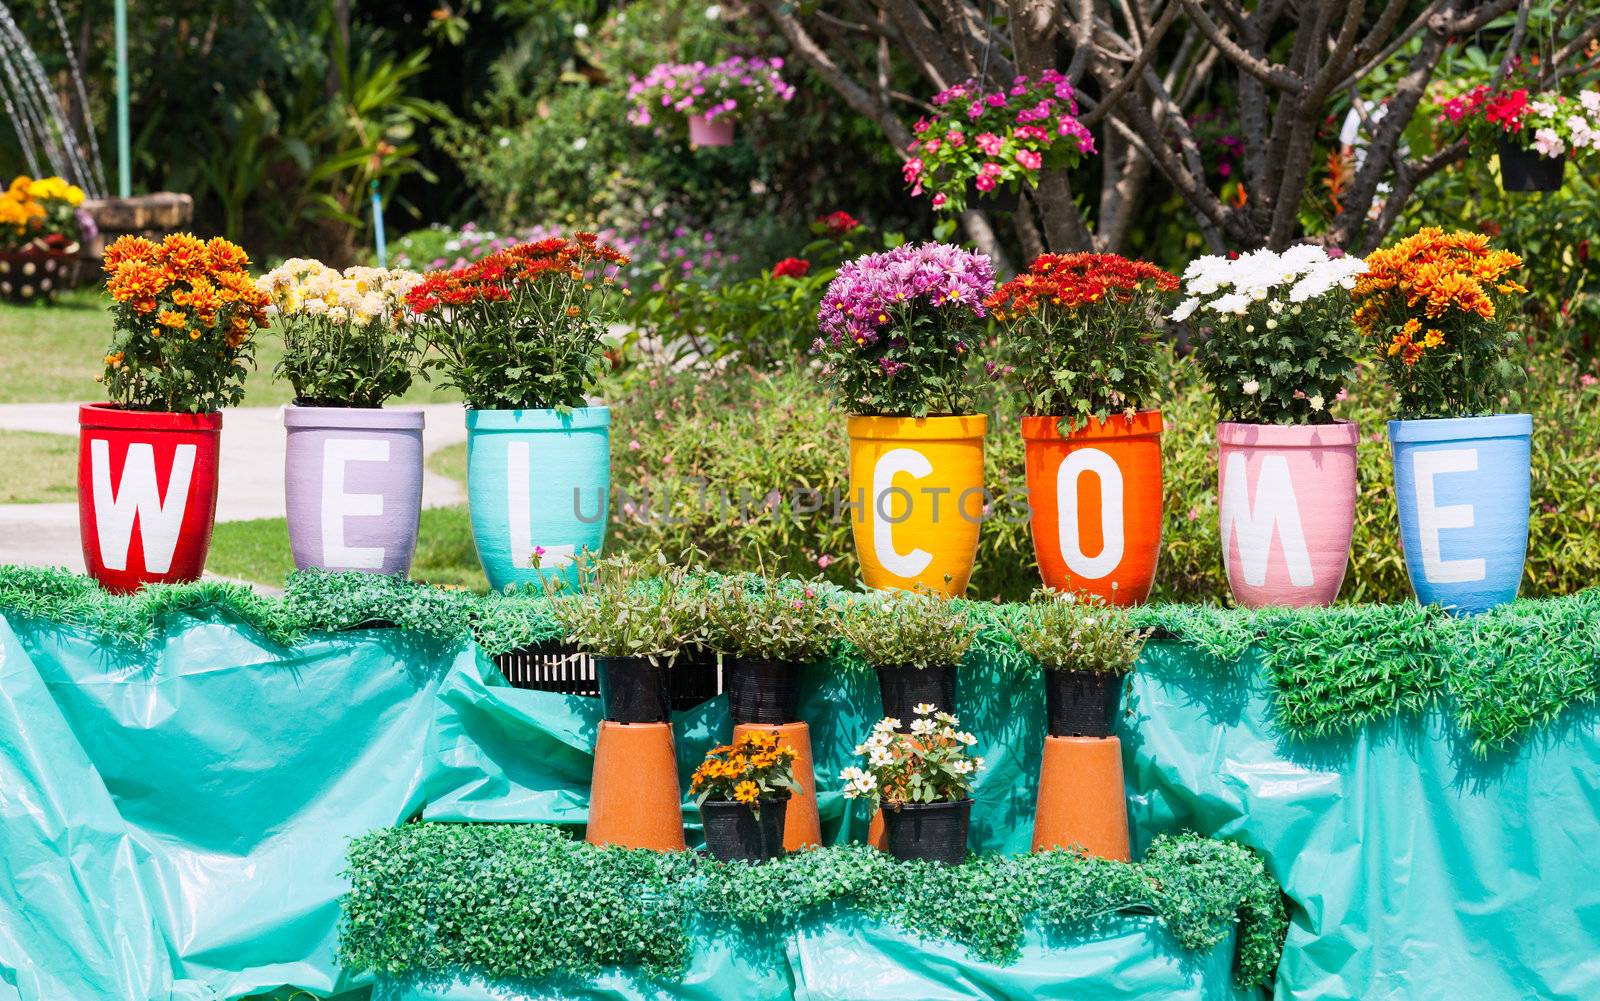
(1287, 509)
(710, 132)
(352, 479)
(147, 494)
(762, 691)
(736, 832)
(1082, 802)
(1095, 502)
(537, 480)
(1522, 168)
(904, 688)
(1462, 487)
(917, 499)
(634, 799)
(934, 832)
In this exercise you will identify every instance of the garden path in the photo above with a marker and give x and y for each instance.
(250, 485)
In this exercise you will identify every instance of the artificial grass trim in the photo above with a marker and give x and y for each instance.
(432, 899)
(1333, 670)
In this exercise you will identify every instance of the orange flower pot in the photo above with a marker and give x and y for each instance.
(917, 499)
(1082, 803)
(802, 825)
(633, 799)
(1095, 497)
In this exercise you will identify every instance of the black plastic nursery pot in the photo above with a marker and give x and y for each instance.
(903, 688)
(634, 690)
(933, 832)
(1081, 703)
(764, 692)
(1523, 168)
(736, 833)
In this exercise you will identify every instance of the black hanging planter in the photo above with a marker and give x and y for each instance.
(935, 832)
(764, 692)
(1080, 703)
(1523, 168)
(903, 688)
(734, 833)
(633, 690)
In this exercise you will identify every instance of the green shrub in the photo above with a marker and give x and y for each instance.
(727, 462)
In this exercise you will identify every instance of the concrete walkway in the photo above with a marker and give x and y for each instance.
(250, 479)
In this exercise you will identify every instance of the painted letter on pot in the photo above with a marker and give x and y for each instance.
(896, 460)
(139, 494)
(1109, 475)
(1432, 517)
(1276, 511)
(337, 504)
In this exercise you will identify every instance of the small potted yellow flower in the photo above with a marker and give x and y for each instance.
(742, 790)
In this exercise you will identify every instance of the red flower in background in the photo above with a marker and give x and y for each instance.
(838, 224)
(791, 267)
(1506, 109)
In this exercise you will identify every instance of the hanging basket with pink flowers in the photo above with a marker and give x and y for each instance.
(988, 139)
(709, 98)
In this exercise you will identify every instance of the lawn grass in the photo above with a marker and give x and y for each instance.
(258, 551)
(50, 353)
(39, 468)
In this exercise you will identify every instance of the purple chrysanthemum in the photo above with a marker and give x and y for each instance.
(871, 292)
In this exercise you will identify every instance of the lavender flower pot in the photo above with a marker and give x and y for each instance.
(353, 487)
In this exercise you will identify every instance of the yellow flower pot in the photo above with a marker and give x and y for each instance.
(917, 499)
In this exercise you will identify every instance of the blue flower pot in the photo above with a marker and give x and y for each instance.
(1462, 487)
(537, 480)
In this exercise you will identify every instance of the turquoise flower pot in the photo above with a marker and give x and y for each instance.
(538, 482)
(1462, 487)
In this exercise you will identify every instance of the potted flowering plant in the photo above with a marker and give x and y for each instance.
(519, 332)
(1534, 135)
(769, 627)
(1081, 347)
(999, 137)
(183, 312)
(348, 346)
(897, 329)
(922, 779)
(730, 787)
(1279, 352)
(1085, 648)
(711, 97)
(1435, 308)
(634, 618)
(913, 640)
(39, 234)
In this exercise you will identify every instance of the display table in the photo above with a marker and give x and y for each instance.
(176, 812)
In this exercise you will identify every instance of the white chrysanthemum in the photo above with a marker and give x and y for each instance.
(923, 727)
(1186, 308)
(924, 708)
(1250, 388)
(1302, 257)
(1234, 302)
(886, 725)
(1317, 402)
(962, 767)
(880, 758)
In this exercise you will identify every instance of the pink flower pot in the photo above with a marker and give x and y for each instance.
(710, 132)
(1287, 508)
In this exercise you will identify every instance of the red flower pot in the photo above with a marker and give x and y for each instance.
(147, 494)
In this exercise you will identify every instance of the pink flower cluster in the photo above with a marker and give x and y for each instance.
(1010, 130)
(731, 88)
(873, 292)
